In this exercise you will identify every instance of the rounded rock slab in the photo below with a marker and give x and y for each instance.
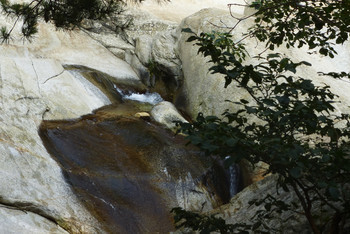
(166, 114)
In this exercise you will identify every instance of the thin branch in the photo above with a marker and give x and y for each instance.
(305, 207)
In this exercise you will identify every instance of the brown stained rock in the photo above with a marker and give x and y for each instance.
(130, 173)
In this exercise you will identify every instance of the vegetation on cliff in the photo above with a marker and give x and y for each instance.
(289, 123)
(296, 129)
(65, 14)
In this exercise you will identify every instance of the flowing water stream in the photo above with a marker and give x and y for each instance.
(130, 172)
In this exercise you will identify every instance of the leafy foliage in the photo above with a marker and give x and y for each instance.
(288, 123)
(316, 24)
(65, 14)
(205, 224)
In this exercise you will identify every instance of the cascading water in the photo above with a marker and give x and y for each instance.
(234, 172)
(234, 177)
(151, 98)
(127, 171)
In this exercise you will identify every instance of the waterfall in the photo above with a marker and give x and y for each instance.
(152, 98)
(234, 179)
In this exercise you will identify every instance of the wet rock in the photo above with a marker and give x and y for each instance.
(128, 172)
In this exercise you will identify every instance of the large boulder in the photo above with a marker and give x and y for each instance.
(69, 48)
(166, 114)
(205, 92)
(202, 91)
(239, 209)
(35, 85)
(31, 181)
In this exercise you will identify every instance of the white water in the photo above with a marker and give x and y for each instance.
(152, 98)
(234, 179)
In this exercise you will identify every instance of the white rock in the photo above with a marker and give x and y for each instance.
(166, 113)
(205, 92)
(17, 221)
(147, 40)
(34, 86)
(69, 48)
(201, 90)
(177, 10)
(240, 211)
(28, 174)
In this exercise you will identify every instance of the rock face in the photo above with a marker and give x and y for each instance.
(240, 211)
(202, 91)
(26, 222)
(177, 10)
(30, 179)
(205, 92)
(148, 44)
(130, 172)
(34, 86)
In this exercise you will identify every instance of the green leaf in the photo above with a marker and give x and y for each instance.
(306, 63)
(295, 172)
(187, 30)
(283, 63)
(268, 102)
(251, 110)
(334, 193)
(256, 77)
(274, 55)
(243, 101)
(231, 142)
(192, 38)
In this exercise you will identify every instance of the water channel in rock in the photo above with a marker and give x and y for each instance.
(129, 172)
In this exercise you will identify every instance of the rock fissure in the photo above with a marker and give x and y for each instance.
(36, 77)
(26, 98)
(29, 207)
(54, 76)
(30, 177)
